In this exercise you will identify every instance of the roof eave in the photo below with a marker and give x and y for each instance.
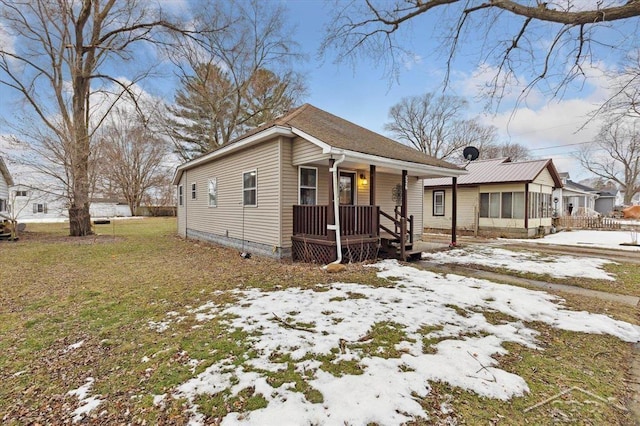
(414, 169)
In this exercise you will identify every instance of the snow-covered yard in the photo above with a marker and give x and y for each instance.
(327, 341)
(331, 323)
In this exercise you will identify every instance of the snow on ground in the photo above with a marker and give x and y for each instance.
(603, 239)
(555, 266)
(87, 403)
(421, 304)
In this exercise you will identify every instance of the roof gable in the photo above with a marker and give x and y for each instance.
(501, 170)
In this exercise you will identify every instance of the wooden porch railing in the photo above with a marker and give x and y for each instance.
(354, 220)
(401, 226)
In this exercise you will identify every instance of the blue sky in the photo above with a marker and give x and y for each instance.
(550, 127)
(363, 94)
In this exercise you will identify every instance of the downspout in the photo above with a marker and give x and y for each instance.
(336, 210)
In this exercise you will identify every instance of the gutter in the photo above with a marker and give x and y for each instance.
(336, 210)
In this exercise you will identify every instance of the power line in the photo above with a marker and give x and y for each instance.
(561, 146)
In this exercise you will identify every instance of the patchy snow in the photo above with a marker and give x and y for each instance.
(74, 346)
(329, 322)
(159, 326)
(87, 403)
(602, 239)
(555, 266)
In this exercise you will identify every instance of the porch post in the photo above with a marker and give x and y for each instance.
(403, 215)
(372, 185)
(403, 208)
(526, 207)
(331, 217)
(454, 210)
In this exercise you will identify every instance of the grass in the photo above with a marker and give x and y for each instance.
(107, 291)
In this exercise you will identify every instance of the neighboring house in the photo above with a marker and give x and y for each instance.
(572, 196)
(497, 197)
(605, 203)
(272, 192)
(5, 182)
(29, 204)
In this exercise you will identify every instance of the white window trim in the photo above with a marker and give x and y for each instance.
(213, 179)
(308, 187)
(180, 195)
(194, 190)
(435, 194)
(255, 188)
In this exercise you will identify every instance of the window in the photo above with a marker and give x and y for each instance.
(512, 206)
(180, 200)
(308, 186)
(250, 188)
(40, 208)
(505, 205)
(540, 205)
(490, 204)
(21, 193)
(213, 192)
(194, 193)
(438, 203)
(3, 205)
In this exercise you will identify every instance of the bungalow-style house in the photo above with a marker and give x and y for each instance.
(574, 198)
(496, 197)
(310, 186)
(5, 182)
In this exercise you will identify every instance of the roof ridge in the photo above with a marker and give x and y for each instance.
(292, 114)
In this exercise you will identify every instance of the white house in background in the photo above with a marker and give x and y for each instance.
(574, 198)
(5, 182)
(31, 204)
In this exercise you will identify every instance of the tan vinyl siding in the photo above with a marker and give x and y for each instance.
(362, 196)
(545, 178)
(467, 206)
(384, 189)
(261, 223)
(305, 152)
(288, 191)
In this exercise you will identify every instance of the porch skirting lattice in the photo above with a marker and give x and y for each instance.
(313, 250)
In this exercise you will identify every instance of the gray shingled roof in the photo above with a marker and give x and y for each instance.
(343, 134)
(500, 170)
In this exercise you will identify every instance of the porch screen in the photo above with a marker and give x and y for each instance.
(308, 186)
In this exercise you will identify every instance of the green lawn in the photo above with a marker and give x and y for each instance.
(109, 291)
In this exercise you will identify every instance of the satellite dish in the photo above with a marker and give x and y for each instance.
(471, 153)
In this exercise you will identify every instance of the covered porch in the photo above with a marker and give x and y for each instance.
(362, 231)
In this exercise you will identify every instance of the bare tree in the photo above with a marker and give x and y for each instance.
(434, 125)
(515, 151)
(625, 101)
(538, 39)
(236, 78)
(132, 156)
(616, 156)
(58, 58)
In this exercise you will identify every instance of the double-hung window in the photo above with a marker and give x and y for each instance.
(194, 192)
(308, 186)
(250, 188)
(180, 196)
(438, 203)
